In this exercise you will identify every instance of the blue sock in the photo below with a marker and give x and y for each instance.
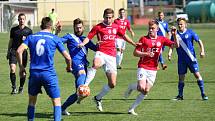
(180, 88)
(80, 80)
(57, 113)
(70, 100)
(201, 86)
(30, 113)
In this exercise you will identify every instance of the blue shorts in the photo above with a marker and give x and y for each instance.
(47, 79)
(77, 66)
(182, 67)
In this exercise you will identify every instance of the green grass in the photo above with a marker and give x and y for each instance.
(157, 106)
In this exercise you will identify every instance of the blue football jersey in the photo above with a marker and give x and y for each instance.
(76, 53)
(163, 28)
(42, 46)
(187, 52)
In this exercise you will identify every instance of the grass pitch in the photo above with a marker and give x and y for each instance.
(157, 106)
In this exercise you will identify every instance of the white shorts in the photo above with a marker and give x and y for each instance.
(108, 62)
(144, 74)
(120, 43)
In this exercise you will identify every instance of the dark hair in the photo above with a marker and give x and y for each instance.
(160, 12)
(152, 22)
(181, 19)
(46, 23)
(77, 21)
(121, 9)
(52, 9)
(108, 11)
(21, 14)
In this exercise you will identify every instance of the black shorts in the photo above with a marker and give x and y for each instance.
(13, 59)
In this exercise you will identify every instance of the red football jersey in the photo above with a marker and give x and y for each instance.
(106, 35)
(123, 24)
(152, 45)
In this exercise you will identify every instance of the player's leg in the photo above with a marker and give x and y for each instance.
(50, 83)
(146, 80)
(31, 107)
(194, 68)
(119, 55)
(23, 78)
(12, 64)
(97, 63)
(129, 90)
(182, 70)
(111, 72)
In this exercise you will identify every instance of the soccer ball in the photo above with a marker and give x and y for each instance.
(83, 91)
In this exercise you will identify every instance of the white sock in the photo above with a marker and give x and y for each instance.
(121, 57)
(118, 57)
(138, 100)
(103, 92)
(91, 72)
(133, 86)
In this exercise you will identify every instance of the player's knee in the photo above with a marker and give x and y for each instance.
(56, 101)
(112, 85)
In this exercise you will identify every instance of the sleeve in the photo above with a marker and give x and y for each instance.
(195, 36)
(60, 46)
(26, 41)
(92, 33)
(91, 45)
(65, 38)
(167, 42)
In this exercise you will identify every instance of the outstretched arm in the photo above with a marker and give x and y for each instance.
(68, 60)
(127, 39)
(202, 50)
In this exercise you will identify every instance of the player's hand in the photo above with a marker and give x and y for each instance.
(150, 54)
(138, 44)
(173, 30)
(80, 45)
(68, 69)
(202, 54)
(22, 71)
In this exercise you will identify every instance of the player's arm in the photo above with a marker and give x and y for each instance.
(170, 54)
(202, 50)
(68, 60)
(9, 47)
(129, 40)
(19, 53)
(132, 32)
(138, 53)
(176, 41)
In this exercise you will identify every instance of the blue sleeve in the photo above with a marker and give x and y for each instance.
(195, 36)
(167, 27)
(91, 45)
(65, 38)
(60, 46)
(26, 41)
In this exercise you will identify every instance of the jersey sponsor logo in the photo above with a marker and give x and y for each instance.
(114, 31)
(109, 37)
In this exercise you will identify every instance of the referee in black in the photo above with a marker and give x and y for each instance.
(17, 36)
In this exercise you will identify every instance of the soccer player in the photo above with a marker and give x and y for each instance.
(149, 53)
(187, 58)
(17, 35)
(120, 42)
(54, 18)
(106, 52)
(79, 59)
(42, 46)
(163, 29)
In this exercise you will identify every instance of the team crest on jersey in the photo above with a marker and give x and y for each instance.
(114, 31)
(158, 44)
(125, 23)
(153, 43)
(186, 36)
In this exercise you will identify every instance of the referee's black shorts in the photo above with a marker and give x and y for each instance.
(13, 59)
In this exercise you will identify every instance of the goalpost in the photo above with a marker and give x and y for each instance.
(34, 10)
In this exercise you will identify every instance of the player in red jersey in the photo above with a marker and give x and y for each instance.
(106, 52)
(149, 53)
(124, 24)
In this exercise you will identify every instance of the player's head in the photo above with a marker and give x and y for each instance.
(52, 10)
(122, 13)
(182, 24)
(21, 19)
(153, 28)
(78, 25)
(108, 16)
(46, 23)
(160, 15)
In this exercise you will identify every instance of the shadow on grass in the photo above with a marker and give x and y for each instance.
(95, 113)
(37, 115)
(194, 81)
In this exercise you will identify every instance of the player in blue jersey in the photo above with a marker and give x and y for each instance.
(79, 59)
(163, 29)
(42, 46)
(187, 58)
